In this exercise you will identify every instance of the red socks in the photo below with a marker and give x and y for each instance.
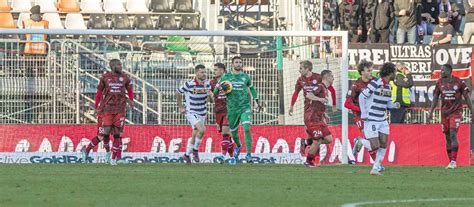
(454, 153)
(92, 144)
(106, 143)
(373, 154)
(117, 149)
(225, 143)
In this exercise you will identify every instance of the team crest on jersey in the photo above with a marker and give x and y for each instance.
(121, 79)
(455, 87)
(315, 82)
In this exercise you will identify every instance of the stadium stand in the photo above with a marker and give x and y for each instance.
(68, 6)
(47, 5)
(21, 6)
(137, 6)
(91, 6)
(75, 21)
(4, 6)
(23, 16)
(113, 6)
(160, 6)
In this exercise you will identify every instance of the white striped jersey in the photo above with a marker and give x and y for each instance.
(375, 100)
(195, 96)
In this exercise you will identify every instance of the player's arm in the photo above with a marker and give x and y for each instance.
(217, 87)
(314, 96)
(333, 97)
(254, 93)
(364, 96)
(99, 93)
(129, 87)
(294, 98)
(179, 96)
(349, 103)
(436, 94)
(466, 93)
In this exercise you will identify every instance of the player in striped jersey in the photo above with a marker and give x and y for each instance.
(196, 91)
(374, 102)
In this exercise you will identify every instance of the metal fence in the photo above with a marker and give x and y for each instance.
(59, 87)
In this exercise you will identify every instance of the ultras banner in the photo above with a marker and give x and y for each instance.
(423, 61)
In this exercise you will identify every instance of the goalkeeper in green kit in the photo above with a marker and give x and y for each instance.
(235, 85)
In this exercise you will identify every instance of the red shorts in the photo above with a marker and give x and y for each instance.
(221, 120)
(451, 122)
(359, 122)
(115, 120)
(317, 131)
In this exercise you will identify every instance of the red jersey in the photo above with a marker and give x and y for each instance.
(315, 113)
(357, 87)
(308, 84)
(114, 87)
(219, 98)
(451, 92)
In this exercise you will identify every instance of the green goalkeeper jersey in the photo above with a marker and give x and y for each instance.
(238, 99)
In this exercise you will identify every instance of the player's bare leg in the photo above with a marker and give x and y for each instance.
(313, 149)
(454, 148)
(189, 149)
(372, 144)
(200, 130)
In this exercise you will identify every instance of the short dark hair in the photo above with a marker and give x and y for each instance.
(114, 60)
(387, 69)
(200, 66)
(448, 66)
(363, 64)
(325, 72)
(307, 64)
(235, 58)
(220, 65)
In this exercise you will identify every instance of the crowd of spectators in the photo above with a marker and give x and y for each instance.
(401, 21)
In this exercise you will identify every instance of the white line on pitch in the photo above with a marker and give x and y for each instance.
(405, 201)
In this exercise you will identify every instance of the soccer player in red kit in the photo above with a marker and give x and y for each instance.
(111, 88)
(365, 69)
(451, 89)
(307, 82)
(316, 122)
(220, 109)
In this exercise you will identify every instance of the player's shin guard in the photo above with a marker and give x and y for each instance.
(117, 148)
(107, 143)
(94, 142)
(225, 143)
(248, 139)
(189, 149)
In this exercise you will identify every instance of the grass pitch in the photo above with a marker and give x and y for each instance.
(222, 185)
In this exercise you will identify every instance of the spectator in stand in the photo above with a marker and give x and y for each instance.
(381, 21)
(451, 10)
(469, 26)
(405, 10)
(329, 16)
(458, 27)
(350, 19)
(443, 33)
(429, 15)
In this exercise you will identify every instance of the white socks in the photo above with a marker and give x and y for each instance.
(366, 144)
(189, 149)
(197, 142)
(379, 158)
